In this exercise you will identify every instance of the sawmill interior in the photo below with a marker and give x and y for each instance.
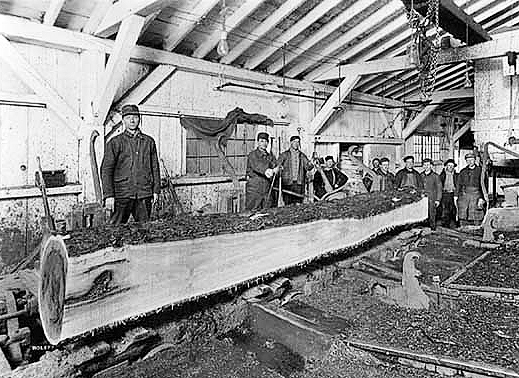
(259, 188)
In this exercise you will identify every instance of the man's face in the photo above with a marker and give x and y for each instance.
(376, 164)
(131, 121)
(427, 166)
(471, 161)
(384, 166)
(450, 167)
(262, 144)
(295, 144)
(329, 163)
(409, 163)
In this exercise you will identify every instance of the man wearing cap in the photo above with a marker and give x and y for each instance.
(433, 189)
(449, 180)
(387, 179)
(408, 177)
(334, 176)
(130, 171)
(295, 167)
(367, 180)
(261, 169)
(470, 193)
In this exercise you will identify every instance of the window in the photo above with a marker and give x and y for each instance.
(426, 146)
(201, 157)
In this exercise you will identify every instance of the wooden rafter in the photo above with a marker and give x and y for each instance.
(52, 13)
(175, 35)
(344, 88)
(230, 24)
(26, 73)
(355, 9)
(125, 8)
(97, 16)
(275, 18)
(126, 38)
(339, 43)
(300, 26)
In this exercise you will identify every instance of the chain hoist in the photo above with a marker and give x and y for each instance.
(425, 49)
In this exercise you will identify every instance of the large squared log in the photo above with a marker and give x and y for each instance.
(112, 284)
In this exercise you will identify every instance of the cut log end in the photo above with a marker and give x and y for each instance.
(52, 288)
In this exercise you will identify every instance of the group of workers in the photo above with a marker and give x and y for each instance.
(130, 178)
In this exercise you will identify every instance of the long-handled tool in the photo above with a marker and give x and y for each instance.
(281, 203)
(41, 183)
(171, 190)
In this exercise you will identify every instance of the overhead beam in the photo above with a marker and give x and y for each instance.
(52, 13)
(26, 73)
(418, 120)
(300, 26)
(345, 87)
(97, 15)
(126, 38)
(362, 27)
(176, 34)
(125, 8)
(21, 30)
(352, 11)
(230, 24)
(461, 132)
(275, 18)
(455, 21)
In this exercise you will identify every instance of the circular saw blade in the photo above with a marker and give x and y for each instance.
(52, 287)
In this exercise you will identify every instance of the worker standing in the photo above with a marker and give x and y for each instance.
(470, 193)
(387, 179)
(130, 171)
(408, 177)
(433, 189)
(261, 169)
(295, 167)
(449, 180)
(334, 176)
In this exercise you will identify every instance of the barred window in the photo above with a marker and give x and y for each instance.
(202, 159)
(426, 146)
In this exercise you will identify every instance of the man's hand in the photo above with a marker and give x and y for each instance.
(110, 203)
(269, 172)
(455, 199)
(481, 203)
(436, 203)
(155, 198)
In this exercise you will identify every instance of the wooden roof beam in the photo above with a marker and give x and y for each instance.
(455, 21)
(355, 9)
(117, 62)
(53, 10)
(122, 9)
(348, 37)
(300, 26)
(275, 18)
(230, 24)
(26, 73)
(176, 34)
(97, 16)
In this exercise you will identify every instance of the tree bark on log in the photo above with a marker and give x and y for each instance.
(119, 283)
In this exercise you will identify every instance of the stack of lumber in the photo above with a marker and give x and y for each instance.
(120, 273)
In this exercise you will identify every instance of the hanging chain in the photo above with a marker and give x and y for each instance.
(428, 47)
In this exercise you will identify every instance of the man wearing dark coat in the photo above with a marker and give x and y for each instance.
(387, 179)
(433, 189)
(335, 177)
(295, 167)
(261, 169)
(449, 180)
(470, 193)
(130, 171)
(408, 177)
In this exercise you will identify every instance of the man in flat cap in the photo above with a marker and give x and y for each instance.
(433, 189)
(261, 169)
(470, 193)
(295, 167)
(387, 179)
(130, 171)
(449, 180)
(408, 177)
(335, 177)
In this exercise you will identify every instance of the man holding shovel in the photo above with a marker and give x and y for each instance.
(261, 169)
